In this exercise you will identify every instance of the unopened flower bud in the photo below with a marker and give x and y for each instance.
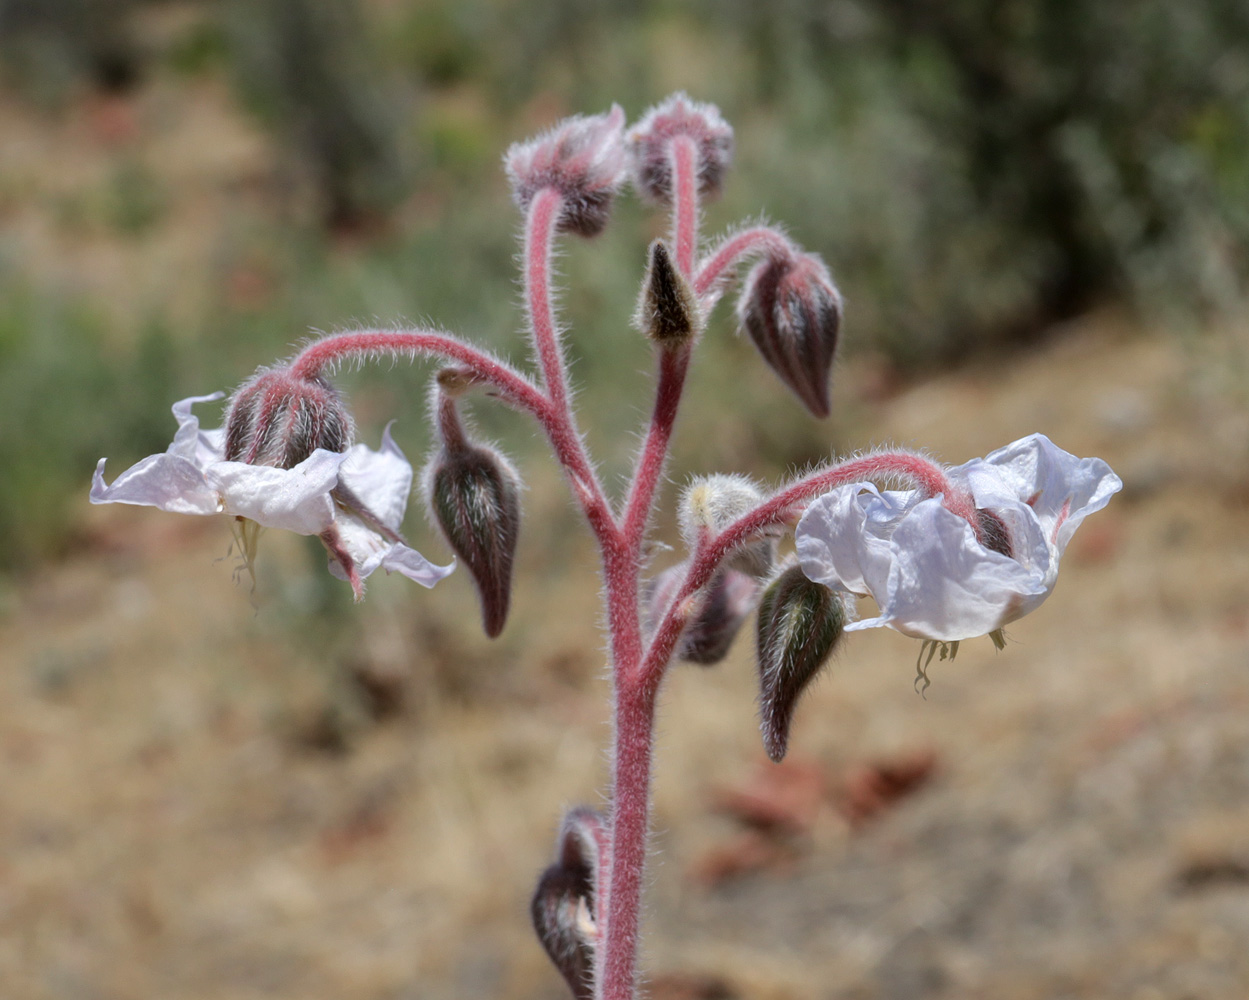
(726, 602)
(563, 906)
(667, 310)
(650, 143)
(583, 158)
(277, 419)
(711, 503)
(473, 494)
(799, 624)
(792, 311)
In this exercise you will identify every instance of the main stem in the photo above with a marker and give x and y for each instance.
(620, 895)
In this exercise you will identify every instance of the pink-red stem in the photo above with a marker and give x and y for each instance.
(635, 694)
(748, 243)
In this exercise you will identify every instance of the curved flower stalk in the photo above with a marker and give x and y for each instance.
(353, 500)
(937, 576)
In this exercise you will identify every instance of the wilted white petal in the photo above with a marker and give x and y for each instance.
(169, 482)
(407, 561)
(381, 479)
(200, 447)
(945, 585)
(928, 572)
(296, 499)
(191, 478)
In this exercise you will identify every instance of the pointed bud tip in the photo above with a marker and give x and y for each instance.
(667, 310)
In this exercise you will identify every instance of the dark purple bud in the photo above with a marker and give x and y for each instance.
(277, 419)
(668, 310)
(800, 622)
(563, 905)
(650, 143)
(792, 311)
(581, 157)
(726, 603)
(474, 496)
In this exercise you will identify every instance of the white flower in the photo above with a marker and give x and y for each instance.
(353, 501)
(930, 575)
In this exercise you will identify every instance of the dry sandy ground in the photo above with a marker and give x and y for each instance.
(199, 801)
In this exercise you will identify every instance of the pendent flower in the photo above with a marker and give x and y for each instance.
(933, 574)
(352, 498)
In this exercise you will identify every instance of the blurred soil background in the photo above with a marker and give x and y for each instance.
(1038, 213)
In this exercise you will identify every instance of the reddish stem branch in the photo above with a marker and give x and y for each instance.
(685, 202)
(673, 365)
(540, 225)
(923, 474)
(370, 344)
(749, 243)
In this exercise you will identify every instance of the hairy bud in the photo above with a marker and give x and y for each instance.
(563, 905)
(668, 310)
(583, 158)
(277, 419)
(792, 311)
(800, 622)
(993, 533)
(726, 602)
(473, 494)
(711, 503)
(650, 143)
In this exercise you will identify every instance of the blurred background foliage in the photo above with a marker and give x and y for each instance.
(211, 179)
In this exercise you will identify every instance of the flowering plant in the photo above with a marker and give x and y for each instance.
(951, 554)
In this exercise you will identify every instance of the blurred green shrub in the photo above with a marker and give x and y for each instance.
(993, 167)
(307, 68)
(67, 398)
(50, 45)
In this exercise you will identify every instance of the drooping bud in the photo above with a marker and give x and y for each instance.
(800, 622)
(583, 158)
(711, 503)
(726, 603)
(278, 419)
(473, 494)
(650, 142)
(667, 310)
(563, 906)
(792, 311)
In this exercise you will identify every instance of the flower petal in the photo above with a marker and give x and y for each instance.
(843, 538)
(945, 585)
(382, 480)
(1060, 487)
(166, 481)
(199, 447)
(369, 551)
(296, 499)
